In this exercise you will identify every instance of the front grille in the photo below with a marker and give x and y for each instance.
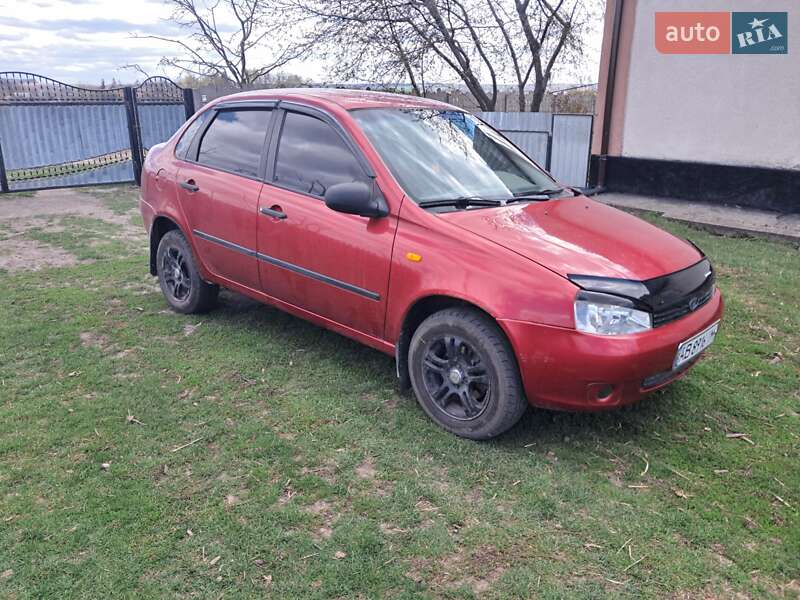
(684, 307)
(676, 295)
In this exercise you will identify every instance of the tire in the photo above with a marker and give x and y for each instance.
(464, 374)
(180, 281)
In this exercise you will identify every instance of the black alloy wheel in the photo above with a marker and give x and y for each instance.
(456, 378)
(176, 274)
(465, 375)
(179, 278)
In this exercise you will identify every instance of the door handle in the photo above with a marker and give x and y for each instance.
(274, 212)
(190, 185)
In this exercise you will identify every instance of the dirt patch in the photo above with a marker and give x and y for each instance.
(484, 556)
(389, 529)
(320, 507)
(326, 472)
(99, 341)
(287, 495)
(232, 500)
(477, 570)
(366, 470)
(189, 329)
(42, 212)
(17, 226)
(392, 402)
(440, 481)
(23, 212)
(718, 550)
(383, 489)
(426, 506)
(59, 202)
(323, 510)
(19, 254)
(709, 593)
(90, 339)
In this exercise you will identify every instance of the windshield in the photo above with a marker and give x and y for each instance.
(445, 154)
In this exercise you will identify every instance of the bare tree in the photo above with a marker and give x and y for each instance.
(136, 68)
(482, 42)
(224, 37)
(366, 40)
(548, 30)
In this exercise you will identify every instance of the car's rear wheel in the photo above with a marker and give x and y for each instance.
(464, 374)
(180, 281)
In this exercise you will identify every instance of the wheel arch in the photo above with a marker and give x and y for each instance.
(161, 225)
(420, 310)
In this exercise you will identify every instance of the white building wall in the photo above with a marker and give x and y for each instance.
(725, 108)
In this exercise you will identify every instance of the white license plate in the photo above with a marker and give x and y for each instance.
(695, 345)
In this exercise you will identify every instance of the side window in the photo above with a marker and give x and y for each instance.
(183, 145)
(235, 140)
(312, 156)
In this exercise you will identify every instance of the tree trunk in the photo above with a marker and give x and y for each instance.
(539, 91)
(521, 94)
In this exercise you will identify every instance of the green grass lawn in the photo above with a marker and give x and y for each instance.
(251, 454)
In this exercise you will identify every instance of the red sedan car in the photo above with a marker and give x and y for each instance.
(417, 229)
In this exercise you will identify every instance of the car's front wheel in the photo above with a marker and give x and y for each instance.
(464, 374)
(179, 278)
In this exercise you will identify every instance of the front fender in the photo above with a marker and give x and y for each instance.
(502, 283)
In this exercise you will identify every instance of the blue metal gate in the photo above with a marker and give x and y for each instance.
(57, 135)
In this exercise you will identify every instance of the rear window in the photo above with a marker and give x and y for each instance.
(185, 143)
(235, 140)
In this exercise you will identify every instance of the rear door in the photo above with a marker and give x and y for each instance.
(219, 186)
(332, 264)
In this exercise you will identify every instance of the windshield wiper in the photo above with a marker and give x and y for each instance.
(461, 202)
(528, 198)
(538, 195)
(535, 192)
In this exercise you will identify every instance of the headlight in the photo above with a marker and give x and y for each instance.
(603, 314)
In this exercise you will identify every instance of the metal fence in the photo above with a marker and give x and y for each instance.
(53, 134)
(57, 135)
(560, 142)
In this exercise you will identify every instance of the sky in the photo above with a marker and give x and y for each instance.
(89, 41)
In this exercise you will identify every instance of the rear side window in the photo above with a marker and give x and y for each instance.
(312, 156)
(185, 143)
(234, 141)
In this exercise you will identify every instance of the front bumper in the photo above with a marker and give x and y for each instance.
(565, 369)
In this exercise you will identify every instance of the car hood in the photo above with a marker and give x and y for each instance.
(578, 236)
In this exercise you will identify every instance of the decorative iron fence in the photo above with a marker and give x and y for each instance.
(53, 134)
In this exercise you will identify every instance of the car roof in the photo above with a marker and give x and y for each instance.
(346, 98)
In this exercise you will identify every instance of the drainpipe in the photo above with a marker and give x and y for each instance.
(609, 99)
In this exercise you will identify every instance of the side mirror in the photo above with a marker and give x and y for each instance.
(355, 198)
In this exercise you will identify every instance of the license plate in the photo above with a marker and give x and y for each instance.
(695, 345)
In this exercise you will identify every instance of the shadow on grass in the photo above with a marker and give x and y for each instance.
(545, 427)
